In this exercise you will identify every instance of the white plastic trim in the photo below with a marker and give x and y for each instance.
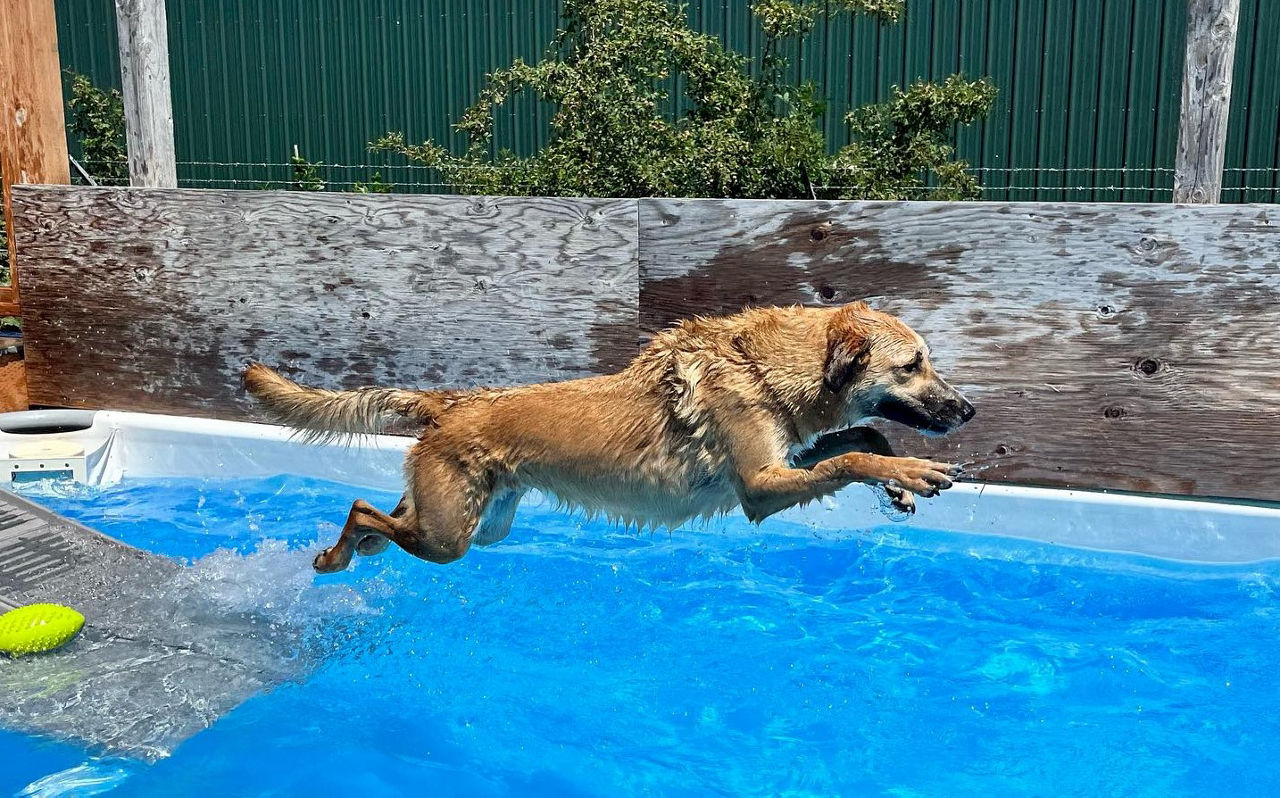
(121, 445)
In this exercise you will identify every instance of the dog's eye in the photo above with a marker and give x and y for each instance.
(914, 365)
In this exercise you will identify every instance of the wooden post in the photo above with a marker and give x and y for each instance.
(33, 140)
(1206, 99)
(148, 106)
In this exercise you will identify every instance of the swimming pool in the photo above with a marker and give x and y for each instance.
(813, 655)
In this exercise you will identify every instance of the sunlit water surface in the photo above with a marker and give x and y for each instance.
(577, 659)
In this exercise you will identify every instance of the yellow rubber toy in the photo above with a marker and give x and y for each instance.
(37, 628)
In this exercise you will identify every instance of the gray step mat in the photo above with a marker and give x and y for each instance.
(155, 663)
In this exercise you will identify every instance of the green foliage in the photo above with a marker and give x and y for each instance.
(307, 177)
(745, 134)
(306, 174)
(902, 139)
(374, 186)
(96, 120)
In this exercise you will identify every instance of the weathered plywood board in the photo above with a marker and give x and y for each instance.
(154, 299)
(1119, 346)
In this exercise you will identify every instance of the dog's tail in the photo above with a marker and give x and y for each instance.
(322, 415)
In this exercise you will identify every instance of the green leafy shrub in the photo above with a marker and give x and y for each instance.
(306, 174)
(96, 119)
(374, 186)
(745, 134)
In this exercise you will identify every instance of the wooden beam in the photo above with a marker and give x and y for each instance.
(142, 29)
(9, 301)
(1206, 99)
(33, 141)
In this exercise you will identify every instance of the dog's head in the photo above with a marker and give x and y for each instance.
(879, 367)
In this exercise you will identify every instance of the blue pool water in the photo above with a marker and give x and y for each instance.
(575, 659)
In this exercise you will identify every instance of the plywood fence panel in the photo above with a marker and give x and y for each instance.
(153, 299)
(1121, 346)
(1132, 347)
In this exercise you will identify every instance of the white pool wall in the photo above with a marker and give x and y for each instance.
(120, 445)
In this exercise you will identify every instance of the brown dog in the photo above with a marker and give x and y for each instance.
(755, 409)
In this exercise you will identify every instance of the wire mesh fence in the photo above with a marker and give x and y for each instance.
(1031, 184)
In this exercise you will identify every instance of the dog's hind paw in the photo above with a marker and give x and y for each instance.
(330, 561)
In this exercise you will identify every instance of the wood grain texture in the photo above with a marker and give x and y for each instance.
(153, 299)
(143, 36)
(33, 142)
(1206, 99)
(13, 384)
(1118, 346)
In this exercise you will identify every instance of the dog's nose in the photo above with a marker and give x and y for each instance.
(961, 407)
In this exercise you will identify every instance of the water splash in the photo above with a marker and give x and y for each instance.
(94, 777)
(168, 649)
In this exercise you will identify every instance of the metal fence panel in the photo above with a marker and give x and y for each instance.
(1088, 105)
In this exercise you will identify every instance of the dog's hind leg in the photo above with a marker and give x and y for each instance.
(446, 501)
(363, 521)
(495, 524)
(373, 543)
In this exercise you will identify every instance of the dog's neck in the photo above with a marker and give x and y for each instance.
(792, 374)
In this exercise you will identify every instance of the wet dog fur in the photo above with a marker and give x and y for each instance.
(759, 410)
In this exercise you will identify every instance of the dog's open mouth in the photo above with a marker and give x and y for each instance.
(917, 416)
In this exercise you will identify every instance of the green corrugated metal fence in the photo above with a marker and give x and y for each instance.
(1088, 106)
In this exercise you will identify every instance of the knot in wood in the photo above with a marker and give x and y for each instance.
(820, 232)
(1147, 366)
(1106, 311)
(1114, 412)
(827, 293)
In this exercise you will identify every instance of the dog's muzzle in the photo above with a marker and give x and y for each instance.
(937, 414)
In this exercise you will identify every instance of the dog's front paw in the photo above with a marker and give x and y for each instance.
(921, 477)
(902, 500)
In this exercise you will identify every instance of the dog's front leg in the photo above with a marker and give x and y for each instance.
(834, 444)
(856, 439)
(766, 483)
(765, 491)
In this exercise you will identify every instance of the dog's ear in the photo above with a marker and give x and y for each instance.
(848, 349)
